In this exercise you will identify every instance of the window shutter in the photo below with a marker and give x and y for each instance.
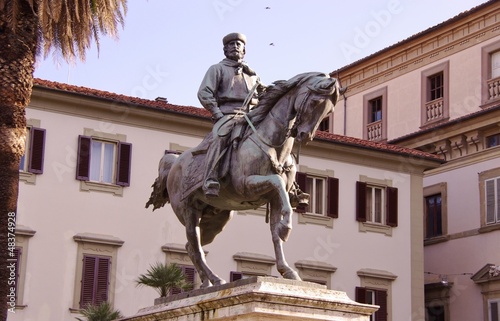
(381, 300)
(83, 158)
(392, 206)
(37, 146)
(124, 161)
(301, 179)
(17, 257)
(88, 275)
(333, 197)
(190, 273)
(360, 295)
(361, 201)
(235, 276)
(102, 280)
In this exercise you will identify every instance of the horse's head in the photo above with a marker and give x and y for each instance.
(316, 98)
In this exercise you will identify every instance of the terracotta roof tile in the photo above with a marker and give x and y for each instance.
(201, 112)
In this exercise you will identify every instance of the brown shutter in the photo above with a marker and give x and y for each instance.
(361, 201)
(381, 300)
(17, 257)
(190, 273)
(392, 206)
(37, 145)
(235, 276)
(88, 276)
(301, 179)
(333, 197)
(102, 280)
(83, 158)
(124, 161)
(360, 295)
(95, 280)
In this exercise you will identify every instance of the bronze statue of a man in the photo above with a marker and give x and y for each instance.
(223, 91)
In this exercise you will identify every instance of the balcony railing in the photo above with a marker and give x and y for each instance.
(374, 130)
(494, 88)
(434, 110)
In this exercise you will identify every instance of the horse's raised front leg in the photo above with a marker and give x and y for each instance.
(195, 250)
(285, 270)
(256, 185)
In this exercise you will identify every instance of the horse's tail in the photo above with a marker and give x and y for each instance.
(159, 196)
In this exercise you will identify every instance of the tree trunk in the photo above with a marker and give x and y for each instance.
(17, 57)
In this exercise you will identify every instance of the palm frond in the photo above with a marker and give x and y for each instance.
(163, 278)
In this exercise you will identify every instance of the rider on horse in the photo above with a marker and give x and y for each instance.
(224, 90)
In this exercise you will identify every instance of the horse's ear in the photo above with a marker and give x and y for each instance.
(342, 90)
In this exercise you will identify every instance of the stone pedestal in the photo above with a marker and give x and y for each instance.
(257, 298)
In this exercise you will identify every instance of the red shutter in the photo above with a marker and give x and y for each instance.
(37, 145)
(83, 158)
(360, 295)
(361, 201)
(301, 179)
(392, 206)
(124, 161)
(333, 197)
(235, 276)
(381, 300)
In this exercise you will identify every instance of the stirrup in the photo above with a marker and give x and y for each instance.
(211, 188)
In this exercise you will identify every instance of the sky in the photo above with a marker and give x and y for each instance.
(166, 46)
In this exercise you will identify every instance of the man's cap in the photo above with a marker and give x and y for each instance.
(234, 36)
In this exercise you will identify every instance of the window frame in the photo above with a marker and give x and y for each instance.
(23, 236)
(33, 157)
(90, 244)
(93, 281)
(331, 201)
(442, 189)
(429, 118)
(490, 301)
(177, 254)
(390, 209)
(375, 130)
(381, 281)
(121, 169)
(486, 74)
(483, 178)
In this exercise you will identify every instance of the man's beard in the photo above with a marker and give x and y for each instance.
(236, 56)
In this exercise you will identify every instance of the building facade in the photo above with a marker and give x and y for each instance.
(84, 235)
(437, 91)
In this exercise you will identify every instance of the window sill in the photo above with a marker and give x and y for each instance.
(436, 240)
(88, 186)
(27, 177)
(376, 228)
(489, 228)
(305, 218)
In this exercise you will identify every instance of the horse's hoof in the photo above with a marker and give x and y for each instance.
(284, 231)
(291, 275)
(219, 282)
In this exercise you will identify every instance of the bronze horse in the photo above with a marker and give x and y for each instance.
(262, 169)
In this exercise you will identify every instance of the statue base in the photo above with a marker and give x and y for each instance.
(258, 298)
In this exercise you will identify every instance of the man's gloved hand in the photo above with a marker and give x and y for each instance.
(216, 116)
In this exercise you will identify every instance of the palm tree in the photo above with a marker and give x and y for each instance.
(102, 312)
(27, 28)
(163, 278)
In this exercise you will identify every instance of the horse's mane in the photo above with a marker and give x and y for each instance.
(274, 92)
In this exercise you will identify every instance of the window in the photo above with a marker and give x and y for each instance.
(493, 140)
(437, 301)
(375, 106)
(252, 264)
(377, 204)
(489, 194)
(190, 274)
(375, 115)
(435, 313)
(435, 86)
(494, 310)
(103, 162)
(95, 280)
(325, 124)
(323, 193)
(32, 161)
(490, 73)
(435, 97)
(492, 193)
(23, 235)
(434, 224)
(315, 271)
(95, 269)
(376, 297)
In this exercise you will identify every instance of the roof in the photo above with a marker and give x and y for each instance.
(201, 112)
(417, 35)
